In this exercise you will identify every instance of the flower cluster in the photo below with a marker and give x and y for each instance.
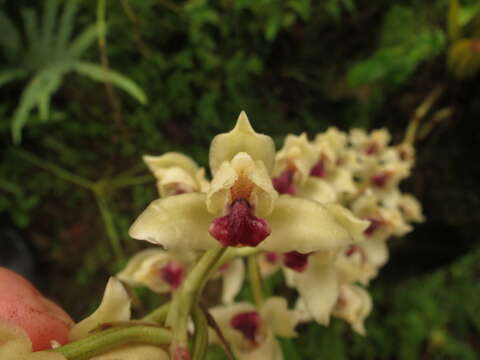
(320, 211)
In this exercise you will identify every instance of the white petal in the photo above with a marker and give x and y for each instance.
(342, 181)
(173, 179)
(233, 278)
(115, 306)
(281, 320)
(178, 223)
(318, 287)
(223, 315)
(242, 138)
(170, 159)
(268, 349)
(303, 225)
(297, 151)
(355, 306)
(354, 225)
(318, 190)
(376, 251)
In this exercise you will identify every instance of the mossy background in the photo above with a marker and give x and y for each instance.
(294, 66)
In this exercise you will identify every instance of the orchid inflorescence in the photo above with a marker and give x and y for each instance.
(320, 211)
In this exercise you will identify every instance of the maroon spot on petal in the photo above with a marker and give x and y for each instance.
(239, 227)
(372, 149)
(374, 225)
(172, 273)
(271, 257)
(284, 183)
(319, 169)
(295, 260)
(352, 250)
(248, 323)
(380, 180)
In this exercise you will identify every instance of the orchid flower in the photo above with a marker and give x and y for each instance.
(251, 332)
(159, 270)
(354, 305)
(176, 174)
(333, 163)
(369, 144)
(314, 274)
(241, 207)
(292, 168)
(384, 222)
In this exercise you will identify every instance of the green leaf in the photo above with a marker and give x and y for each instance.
(10, 40)
(29, 99)
(98, 73)
(51, 86)
(82, 42)
(11, 75)
(404, 44)
(48, 24)
(65, 27)
(30, 24)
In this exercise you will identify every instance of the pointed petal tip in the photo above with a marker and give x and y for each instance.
(243, 123)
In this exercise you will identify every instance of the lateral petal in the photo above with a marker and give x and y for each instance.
(303, 225)
(177, 223)
(115, 306)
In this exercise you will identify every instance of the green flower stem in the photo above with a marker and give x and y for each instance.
(419, 114)
(191, 289)
(55, 169)
(109, 339)
(158, 315)
(109, 225)
(200, 340)
(255, 280)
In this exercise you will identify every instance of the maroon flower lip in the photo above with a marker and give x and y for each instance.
(248, 323)
(375, 224)
(172, 273)
(284, 182)
(239, 227)
(296, 261)
(319, 169)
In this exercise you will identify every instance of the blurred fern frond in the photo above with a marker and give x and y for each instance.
(405, 43)
(46, 55)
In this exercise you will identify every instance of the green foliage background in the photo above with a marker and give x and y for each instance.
(294, 66)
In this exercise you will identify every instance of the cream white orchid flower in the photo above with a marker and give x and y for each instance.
(384, 222)
(159, 270)
(251, 332)
(369, 144)
(241, 207)
(407, 204)
(314, 275)
(354, 305)
(176, 174)
(15, 345)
